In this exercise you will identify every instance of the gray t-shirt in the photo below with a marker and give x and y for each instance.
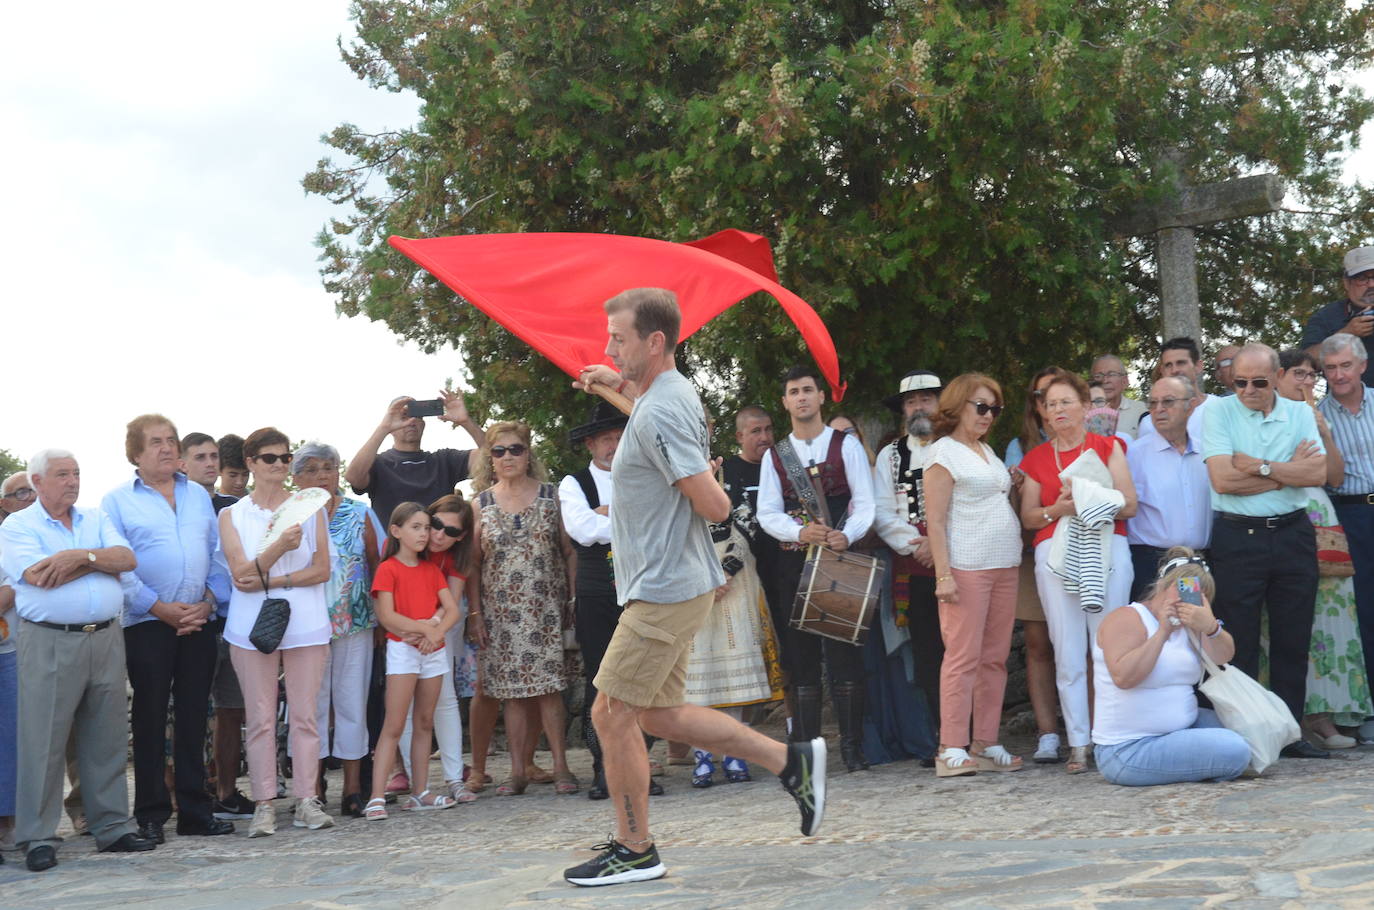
(660, 548)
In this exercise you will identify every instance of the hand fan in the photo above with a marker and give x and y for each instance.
(298, 507)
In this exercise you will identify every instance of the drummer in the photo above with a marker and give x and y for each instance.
(838, 462)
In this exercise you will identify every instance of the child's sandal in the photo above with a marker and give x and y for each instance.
(427, 800)
(376, 809)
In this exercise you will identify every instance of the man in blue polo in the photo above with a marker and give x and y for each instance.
(1262, 452)
(66, 563)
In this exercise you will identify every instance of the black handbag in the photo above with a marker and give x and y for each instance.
(273, 618)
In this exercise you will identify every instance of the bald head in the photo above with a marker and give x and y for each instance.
(753, 432)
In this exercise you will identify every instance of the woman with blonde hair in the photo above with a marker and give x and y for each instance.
(525, 563)
(975, 541)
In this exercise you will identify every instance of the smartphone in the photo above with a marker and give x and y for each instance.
(1190, 590)
(432, 407)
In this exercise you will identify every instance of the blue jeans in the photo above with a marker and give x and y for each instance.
(9, 729)
(1204, 751)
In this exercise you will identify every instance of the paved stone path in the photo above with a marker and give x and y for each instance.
(1303, 836)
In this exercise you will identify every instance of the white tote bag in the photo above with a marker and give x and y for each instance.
(1245, 707)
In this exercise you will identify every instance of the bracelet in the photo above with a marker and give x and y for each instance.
(944, 578)
(1048, 520)
(1217, 631)
(638, 843)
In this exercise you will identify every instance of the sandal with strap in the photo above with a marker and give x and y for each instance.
(426, 799)
(477, 782)
(376, 809)
(736, 769)
(1078, 760)
(566, 784)
(997, 758)
(512, 786)
(703, 775)
(954, 762)
(537, 775)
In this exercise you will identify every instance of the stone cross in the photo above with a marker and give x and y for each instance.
(1174, 220)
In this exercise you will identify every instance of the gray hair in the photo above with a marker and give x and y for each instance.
(38, 464)
(313, 450)
(1342, 340)
(1189, 387)
(1256, 347)
(13, 481)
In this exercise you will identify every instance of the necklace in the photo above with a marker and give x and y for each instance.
(1055, 449)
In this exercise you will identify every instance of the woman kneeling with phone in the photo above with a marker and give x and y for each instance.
(1148, 728)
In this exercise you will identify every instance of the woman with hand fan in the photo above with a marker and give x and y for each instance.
(414, 604)
(277, 546)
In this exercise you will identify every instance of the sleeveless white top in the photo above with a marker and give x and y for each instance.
(1161, 703)
(309, 623)
(984, 532)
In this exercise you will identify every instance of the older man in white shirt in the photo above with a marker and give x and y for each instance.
(1171, 483)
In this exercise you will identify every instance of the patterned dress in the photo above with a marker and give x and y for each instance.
(349, 589)
(524, 590)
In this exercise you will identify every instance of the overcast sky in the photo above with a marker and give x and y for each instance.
(158, 238)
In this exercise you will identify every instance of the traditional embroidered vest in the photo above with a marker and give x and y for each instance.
(834, 481)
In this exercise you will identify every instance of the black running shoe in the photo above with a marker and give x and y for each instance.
(616, 864)
(804, 778)
(236, 806)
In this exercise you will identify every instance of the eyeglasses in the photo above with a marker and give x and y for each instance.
(438, 525)
(1110, 374)
(1303, 375)
(23, 494)
(1260, 383)
(326, 468)
(1157, 403)
(1099, 402)
(1061, 404)
(1362, 278)
(501, 451)
(982, 407)
(273, 458)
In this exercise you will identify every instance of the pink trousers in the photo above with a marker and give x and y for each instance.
(257, 674)
(977, 634)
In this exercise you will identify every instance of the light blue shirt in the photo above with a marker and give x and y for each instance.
(175, 550)
(1353, 435)
(1174, 493)
(1232, 427)
(32, 535)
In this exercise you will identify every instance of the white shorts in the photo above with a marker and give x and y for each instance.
(406, 658)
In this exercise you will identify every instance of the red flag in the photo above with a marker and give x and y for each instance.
(548, 288)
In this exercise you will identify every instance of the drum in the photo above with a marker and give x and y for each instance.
(837, 594)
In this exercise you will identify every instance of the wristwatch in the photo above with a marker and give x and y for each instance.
(1264, 469)
(90, 554)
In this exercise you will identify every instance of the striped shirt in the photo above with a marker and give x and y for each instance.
(1354, 437)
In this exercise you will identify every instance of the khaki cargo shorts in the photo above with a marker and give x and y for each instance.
(646, 662)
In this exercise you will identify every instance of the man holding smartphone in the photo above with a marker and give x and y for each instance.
(1354, 315)
(405, 472)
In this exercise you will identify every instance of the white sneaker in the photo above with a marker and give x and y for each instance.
(264, 823)
(310, 814)
(1047, 752)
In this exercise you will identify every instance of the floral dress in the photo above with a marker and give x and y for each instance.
(348, 590)
(524, 591)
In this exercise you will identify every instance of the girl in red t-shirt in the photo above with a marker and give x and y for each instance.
(413, 603)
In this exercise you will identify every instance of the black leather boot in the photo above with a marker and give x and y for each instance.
(849, 713)
(806, 723)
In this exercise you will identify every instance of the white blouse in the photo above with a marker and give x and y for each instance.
(983, 530)
(309, 623)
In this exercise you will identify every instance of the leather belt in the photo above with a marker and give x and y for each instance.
(1351, 499)
(73, 627)
(1271, 522)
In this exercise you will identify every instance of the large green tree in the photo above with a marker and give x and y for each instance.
(10, 463)
(938, 178)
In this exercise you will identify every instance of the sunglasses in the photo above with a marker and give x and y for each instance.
(438, 525)
(501, 451)
(273, 458)
(23, 494)
(982, 407)
(1260, 383)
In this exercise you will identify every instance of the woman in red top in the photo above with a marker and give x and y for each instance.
(1044, 501)
(414, 605)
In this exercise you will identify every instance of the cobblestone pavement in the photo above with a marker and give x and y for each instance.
(1303, 836)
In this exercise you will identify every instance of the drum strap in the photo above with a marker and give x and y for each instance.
(803, 483)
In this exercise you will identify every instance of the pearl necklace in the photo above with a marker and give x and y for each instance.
(1080, 447)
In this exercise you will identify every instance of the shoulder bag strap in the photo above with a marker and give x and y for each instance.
(802, 483)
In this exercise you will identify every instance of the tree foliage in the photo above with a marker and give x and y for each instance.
(10, 463)
(937, 178)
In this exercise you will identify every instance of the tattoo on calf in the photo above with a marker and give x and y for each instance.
(630, 821)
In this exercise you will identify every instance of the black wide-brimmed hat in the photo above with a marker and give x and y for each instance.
(603, 416)
(915, 381)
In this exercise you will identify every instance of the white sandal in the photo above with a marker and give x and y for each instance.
(953, 762)
(1078, 760)
(375, 810)
(997, 758)
(424, 800)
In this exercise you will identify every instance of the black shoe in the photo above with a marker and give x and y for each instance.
(353, 806)
(804, 778)
(598, 788)
(209, 827)
(236, 806)
(152, 831)
(131, 843)
(617, 863)
(655, 788)
(1303, 749)
(41, 858)
(928, 762)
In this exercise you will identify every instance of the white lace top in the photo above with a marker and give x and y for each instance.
(983, 530)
